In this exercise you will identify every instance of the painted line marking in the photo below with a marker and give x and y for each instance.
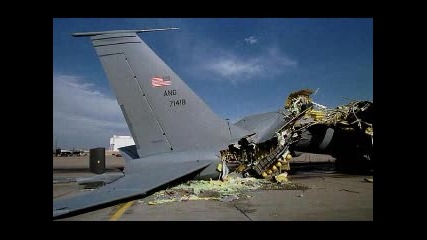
(121, 210)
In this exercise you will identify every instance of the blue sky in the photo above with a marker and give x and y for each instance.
(237, 66)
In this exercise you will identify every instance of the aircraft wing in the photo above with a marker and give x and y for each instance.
(153, 175)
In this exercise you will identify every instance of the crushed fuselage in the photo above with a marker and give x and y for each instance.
(305, 127)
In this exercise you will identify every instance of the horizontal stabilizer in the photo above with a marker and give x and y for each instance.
(129, 153)
(104, 178)
(153, 175)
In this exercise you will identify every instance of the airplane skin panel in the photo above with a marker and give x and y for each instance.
(257, 121)
(152, 176)
(115, 40)
(163, 113)
(141, 120)
(270, 131)
(129, 153)
(264, 125)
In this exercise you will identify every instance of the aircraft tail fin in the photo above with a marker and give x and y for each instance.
(163, 114)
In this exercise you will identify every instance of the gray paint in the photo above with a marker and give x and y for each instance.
(102, 178)
(264, 125)
(170, 141)
(153, 175)
(193, 131)
(156, 126)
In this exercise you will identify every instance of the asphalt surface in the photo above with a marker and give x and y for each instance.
(331, 196)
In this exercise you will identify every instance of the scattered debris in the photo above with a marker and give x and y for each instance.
(160, 201)
(283, 177)
(181, 199)
(229, 198)
(284, 186)
(229, 190)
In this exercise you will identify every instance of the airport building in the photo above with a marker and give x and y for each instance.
(117, 142)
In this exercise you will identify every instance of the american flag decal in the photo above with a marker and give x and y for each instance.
(160, 81)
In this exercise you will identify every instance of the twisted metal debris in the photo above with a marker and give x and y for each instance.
(271, 158)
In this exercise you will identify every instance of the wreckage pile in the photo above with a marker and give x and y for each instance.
(271, 158)
(228, 190)
(264, 165)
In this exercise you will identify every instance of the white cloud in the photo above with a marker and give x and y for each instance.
(277, 58)
(233, 68)
(230, 66)
(251, 40)
(83, 117)
(196, 53)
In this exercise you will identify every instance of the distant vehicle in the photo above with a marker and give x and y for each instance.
(66, 153)
(177, 135)
(79, 153)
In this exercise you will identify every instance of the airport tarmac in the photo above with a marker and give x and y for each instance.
(331, 196)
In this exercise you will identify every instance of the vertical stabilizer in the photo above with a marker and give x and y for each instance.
(162, 112)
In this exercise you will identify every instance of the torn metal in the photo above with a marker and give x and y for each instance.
(307, 127)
